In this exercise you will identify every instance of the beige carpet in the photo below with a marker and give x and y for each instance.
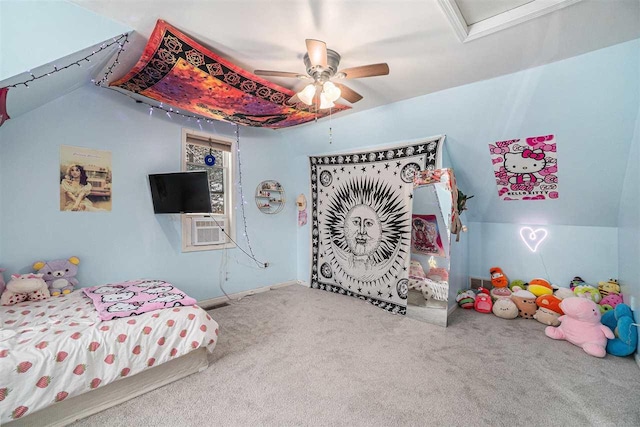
(297, 356)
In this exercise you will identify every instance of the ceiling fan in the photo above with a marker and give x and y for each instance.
(322, 68)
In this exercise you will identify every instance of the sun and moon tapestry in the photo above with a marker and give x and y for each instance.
(177, 71)
(361, 220)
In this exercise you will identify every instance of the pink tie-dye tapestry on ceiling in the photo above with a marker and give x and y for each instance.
(178, 71)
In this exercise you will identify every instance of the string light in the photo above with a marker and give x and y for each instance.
(78, 62)
(243, 201)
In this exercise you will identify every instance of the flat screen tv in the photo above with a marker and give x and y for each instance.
(180, 192)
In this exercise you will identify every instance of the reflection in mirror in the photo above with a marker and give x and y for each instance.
(430, 243)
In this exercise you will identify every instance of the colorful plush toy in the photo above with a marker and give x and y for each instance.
(24, 287)
(576, 281)
(526, 303)
(483, 303)
(497, 293)
(610, 302)
(466, 298)
(498, 278)
(505, 308)
(563, 293)
(59, 274)
(518, 285)
(581, 326)
(549, 310)
(609, 287)
(550, 302)
(620, 320)
(587, 291)
(540, 287)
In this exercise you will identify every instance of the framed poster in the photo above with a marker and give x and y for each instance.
(425, 236)
(85, 179)
(526, 169)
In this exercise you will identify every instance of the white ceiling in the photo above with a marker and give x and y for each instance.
(413, 36)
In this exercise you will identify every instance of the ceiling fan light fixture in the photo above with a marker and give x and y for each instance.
(325, 102)
(306, 95)
(331, 91)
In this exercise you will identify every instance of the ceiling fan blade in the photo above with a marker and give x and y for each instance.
(279, 74)
(370, 70)
(317, 51)
(349, 94)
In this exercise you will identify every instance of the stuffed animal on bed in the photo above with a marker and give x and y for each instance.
(24, 287)
(2, 284)
(581, 326)
(59, 274)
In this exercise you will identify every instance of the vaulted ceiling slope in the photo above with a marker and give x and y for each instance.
(414, 37)
(36, 36)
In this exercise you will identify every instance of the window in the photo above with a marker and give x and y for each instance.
(202, 232)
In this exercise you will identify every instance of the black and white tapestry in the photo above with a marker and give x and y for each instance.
(361, 229)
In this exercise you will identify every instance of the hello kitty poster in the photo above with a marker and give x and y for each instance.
(526, 169)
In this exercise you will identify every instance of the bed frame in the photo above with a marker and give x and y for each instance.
(94, 401)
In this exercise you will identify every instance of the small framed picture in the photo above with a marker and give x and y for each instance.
(85, 179)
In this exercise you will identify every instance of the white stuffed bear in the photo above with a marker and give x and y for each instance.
(24, 287)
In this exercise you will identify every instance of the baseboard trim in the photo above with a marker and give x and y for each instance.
(210, 303)
(452, 309)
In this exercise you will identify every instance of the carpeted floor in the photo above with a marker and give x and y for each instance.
(297, 356)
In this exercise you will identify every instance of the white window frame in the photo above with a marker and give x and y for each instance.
(229, 177)
(510, 18)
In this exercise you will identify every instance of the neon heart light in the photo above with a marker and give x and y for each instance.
(532, 238)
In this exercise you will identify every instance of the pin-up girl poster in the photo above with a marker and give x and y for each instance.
(425, 237)
(85, 179)
(526, 169)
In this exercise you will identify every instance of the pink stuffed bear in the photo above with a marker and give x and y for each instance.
(581, 326)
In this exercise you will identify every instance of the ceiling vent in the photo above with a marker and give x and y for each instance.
(472, 19)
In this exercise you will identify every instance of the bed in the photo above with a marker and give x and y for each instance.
(64, 363)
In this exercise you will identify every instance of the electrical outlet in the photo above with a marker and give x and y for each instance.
(266, 264)
(632, 303)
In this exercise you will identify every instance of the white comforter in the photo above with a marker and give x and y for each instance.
(61, 349)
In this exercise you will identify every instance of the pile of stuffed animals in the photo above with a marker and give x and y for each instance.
(593, 318)
(51, 278)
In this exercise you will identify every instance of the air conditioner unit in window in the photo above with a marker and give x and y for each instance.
(206, 231)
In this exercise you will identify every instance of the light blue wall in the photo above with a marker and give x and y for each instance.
(629, 227)
(130, 241)
(568, 251)
(591, 110)
(68, 29)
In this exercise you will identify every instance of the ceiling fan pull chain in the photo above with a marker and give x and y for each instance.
(330, 130)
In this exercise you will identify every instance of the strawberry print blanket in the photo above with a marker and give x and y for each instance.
(135, 297)
(60, 349)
